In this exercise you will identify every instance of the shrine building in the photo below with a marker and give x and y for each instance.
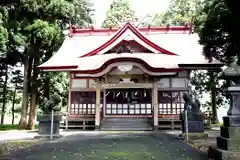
(128, 78)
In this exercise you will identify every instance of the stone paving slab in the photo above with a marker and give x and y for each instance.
(115, 146)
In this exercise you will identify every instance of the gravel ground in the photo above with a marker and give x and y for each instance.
(110, 147)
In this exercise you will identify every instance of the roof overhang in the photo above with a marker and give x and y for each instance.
(173, 49)
(152, 64)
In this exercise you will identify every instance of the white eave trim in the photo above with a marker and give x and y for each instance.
(105, 71)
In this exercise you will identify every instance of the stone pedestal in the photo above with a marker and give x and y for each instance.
(195, 122)
(44, 127)
(228, 144)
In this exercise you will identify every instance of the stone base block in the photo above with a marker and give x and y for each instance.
(219, 154)
(44, 128)
(230, 132)
(47, 136)
(231, 121)
(228, 144)
(193, 136)
(193, 127)
(97, 128)
(192, 116)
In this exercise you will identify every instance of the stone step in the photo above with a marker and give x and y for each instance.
(126, 129)
(121, 124)
(124, 122)
(123, 119)
(127, 126)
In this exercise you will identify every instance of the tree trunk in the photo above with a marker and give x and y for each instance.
(13, 103)
(32, 115)
(213, 98)
(34, 86)
(4, 95)
(25, 96)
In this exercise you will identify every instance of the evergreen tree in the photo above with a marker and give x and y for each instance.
(120, 12)
(34, 32)
(16, 81)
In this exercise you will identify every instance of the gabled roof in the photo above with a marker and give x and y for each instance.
(168, 41)
(128, 31)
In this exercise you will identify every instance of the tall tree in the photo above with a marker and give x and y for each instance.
(9, 55)
(41, 23)
(220, 35)
(120, 12)
(178, 13)
(194, 12)
(16, 81)
(4, 95)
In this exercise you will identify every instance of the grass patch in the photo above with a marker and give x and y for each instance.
(217, 125)
(5, 127)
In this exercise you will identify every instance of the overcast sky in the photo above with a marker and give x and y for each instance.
(141, 7)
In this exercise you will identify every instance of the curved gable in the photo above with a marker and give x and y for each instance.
(126, 31)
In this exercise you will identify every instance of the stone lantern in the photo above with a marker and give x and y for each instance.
(228, 144)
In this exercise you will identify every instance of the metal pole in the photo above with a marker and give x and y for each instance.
(104, 101)
(186, 125)
(51, 135)
(66, 120)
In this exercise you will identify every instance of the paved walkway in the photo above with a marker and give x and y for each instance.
(120, 146)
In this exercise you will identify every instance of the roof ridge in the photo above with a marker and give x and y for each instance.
(75, 30)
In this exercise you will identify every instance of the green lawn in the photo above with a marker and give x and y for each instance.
(5, 127)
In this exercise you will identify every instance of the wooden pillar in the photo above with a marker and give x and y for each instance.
(155, 106)
(97, 112)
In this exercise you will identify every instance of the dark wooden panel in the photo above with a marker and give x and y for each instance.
(83, 103)
(171, 103)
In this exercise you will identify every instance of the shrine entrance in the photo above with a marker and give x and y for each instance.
(136, 102)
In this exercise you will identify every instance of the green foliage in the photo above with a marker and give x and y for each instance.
(178, 13)
(8, 127)
(3, 30)
(220, 35)
(17, 79)
(202, 84)
(33, 30)
(120, 12)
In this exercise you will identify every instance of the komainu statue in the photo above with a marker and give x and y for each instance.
(191, 105)
(194, 116)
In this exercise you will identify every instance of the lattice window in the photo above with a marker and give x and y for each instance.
(170, 103)
(129, 109)
(83, 103)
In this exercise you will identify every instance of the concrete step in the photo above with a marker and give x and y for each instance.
(121, 124)
(126, 129)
